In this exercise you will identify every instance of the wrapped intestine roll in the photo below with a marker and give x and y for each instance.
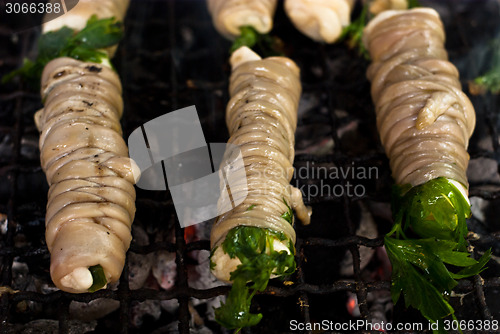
(229, 16)
(424, 119)
(76, 18)
(91, 201)
(425, 122)
(321, 20)
(261, 117)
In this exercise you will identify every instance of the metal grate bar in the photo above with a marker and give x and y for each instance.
(124, 295)
(303, 299)
(182, 280)
(182, 276)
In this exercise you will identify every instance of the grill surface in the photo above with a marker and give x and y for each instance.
(171, 57)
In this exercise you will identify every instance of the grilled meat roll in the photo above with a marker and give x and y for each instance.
(91, 201)
(255, 241)
(321, 20)
(229, 16)
(425, 122)
(424, 119)
(261, 117)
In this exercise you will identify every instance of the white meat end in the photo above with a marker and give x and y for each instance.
(224, 265)
(79, 279)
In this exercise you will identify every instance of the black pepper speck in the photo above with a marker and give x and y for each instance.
(93, 68)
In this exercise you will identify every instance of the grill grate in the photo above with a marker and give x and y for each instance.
(170, 58)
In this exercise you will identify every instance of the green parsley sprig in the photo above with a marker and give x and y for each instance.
(288, 215)
(353, 33)
(85, 45)
(253, 246)
(490, 81)
(264, 44)
(435, 213)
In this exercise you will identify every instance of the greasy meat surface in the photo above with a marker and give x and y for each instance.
(91, 201)
(261, 117)
(321, 20)
(424, 119)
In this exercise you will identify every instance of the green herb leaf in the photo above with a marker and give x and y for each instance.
(417, 290)
(288, 215)
(49, 44)
(248, 37)
(212, 252)
(235, 313)
(30, 71)
(436, 212)
(264, 44)
(413, 3)
(435, 209)
(490, 81)
(99, 278)
(420, 254)
(353, 33)
(476, 268)
(99, 34)
(84, 46)
(253, 246)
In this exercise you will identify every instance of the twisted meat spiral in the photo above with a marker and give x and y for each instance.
(424, 119)
(91, 201)
(261, 117)
(321, 20)
(229, 15)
